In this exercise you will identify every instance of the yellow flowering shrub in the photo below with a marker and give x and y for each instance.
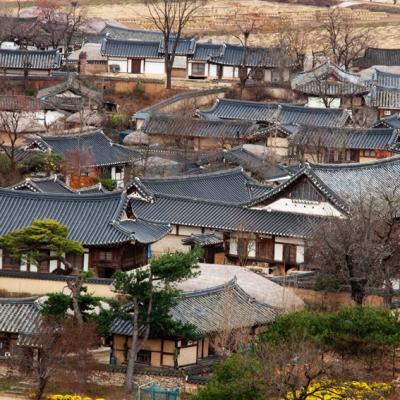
(355, 390)
(71, 397)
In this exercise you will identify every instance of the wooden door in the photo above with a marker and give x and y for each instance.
(136, 63)
(289, 254)
(265, 249)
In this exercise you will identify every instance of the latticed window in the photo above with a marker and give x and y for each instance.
(198, 69)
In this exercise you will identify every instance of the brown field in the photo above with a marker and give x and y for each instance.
(217, 19)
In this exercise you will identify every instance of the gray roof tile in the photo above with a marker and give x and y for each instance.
(98, 148)
(49, 184)
(225, 217)
(122, 33)
(129, 48)
(211, 310)
(31, 59)
(162, 124)
(206, 50)
(92, 219)
(374, 56)
(19, 315)
(345, 138)
(227, 186)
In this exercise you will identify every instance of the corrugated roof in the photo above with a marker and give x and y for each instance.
(31, 59)
(98, 149)
(162, 124)
(374, 56)
(19, 315)
(226, 217)
(345, 138)
(210, 310)
(227, 186)
(92, 219)
(130, 48)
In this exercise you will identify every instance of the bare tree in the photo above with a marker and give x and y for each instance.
(341, 39)
(245, 26)
(59, 349)
(171, 17)
(15, 125)
(362, 250)
(60, 24)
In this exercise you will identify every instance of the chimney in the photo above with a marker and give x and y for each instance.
(82, 63)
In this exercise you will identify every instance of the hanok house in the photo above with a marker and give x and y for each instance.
(18, 316)
(374, 57)
(341, 145)
(210, 311)
(113, 239)
(212, 246)
(216, 203)
(88, 60)
(72, 95)
(198, 65)
(145, 57)
(330, 86)
(196, 134)
(385, 100)
(261, 64)
(29, 62)
(281, 120)
(88, 156)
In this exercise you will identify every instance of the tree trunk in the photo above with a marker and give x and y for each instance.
(133, 350)
(358, 289)
(168, 79)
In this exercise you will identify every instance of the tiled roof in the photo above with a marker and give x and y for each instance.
(31, 59)
(256, 165)
(129, 48)
(204, 51)
(116, 32)
(19, 315)
(72, 84)
(241, 110)
(382, 97)
(98, 148)
(251, 57)
(226, 217)
(389, 122)
(214, 309)
(322, 72)
(344, 183)
(386, 79)
(227, 186)
(294, 114)
(324, 88)
(345, 138)
(203, 239)
(272, 112)
(91, 219)
(183, 48)
(21, 103)
(144, 231)
(375, 56)
(49, 184)
(162, 124)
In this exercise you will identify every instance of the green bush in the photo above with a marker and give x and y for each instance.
(108, 183)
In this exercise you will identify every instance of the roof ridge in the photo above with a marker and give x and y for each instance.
(222, 172)
(133, 42)
(73, 135)
(19, 300)
(364, 165)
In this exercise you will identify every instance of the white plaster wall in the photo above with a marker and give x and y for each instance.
(123, 64)
(317, 102)
(188, 230)
(278, 252)
(300, 254)
(297, 242)
(180, 62)
(300, 207)
(154, 67)
(212, 70)
(227, 72)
